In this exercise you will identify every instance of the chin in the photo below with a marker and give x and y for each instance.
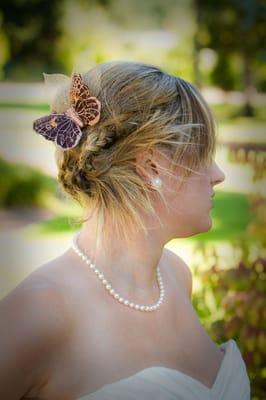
(208, 225)
(204, 227)
(195, 229)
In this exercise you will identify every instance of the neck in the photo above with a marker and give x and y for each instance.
(131, 271)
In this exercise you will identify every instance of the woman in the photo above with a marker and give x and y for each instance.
(111, 318)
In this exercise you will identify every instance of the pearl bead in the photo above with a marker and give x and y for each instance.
(112, 291)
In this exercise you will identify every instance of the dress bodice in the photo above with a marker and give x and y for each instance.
(162, 383)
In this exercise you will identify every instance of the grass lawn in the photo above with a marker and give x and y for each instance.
(232, 113)
(231, 215)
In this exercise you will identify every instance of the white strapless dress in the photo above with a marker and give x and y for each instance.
(162, 383)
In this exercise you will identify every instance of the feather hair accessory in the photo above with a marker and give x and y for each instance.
(65, 128)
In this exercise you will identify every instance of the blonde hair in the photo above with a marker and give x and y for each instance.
(142, 108)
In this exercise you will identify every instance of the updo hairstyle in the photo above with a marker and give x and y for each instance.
(142, 108)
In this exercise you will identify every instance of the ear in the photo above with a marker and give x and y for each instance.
(147, 164)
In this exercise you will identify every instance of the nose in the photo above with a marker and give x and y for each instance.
(218, 175)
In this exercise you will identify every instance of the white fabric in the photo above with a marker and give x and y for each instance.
(161, 383)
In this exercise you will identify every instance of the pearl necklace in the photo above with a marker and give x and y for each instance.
(109, 288)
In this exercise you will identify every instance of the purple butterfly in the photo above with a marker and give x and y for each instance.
(59, 128)
(65, 128)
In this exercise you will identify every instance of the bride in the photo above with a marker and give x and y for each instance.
(111, 317)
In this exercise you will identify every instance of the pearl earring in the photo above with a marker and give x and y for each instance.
(156, 182)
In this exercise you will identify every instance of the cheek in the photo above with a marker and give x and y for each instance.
(183, 206)
(189, 205)
(190, 197)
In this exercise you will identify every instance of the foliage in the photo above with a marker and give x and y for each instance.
(231, 113)
(82, 33)
(223, 75)
(99, 33)
(257, 227)
(21, 185)
(32, 29)
(86, 32)
(252, 154)
(230, 28)
(231, 302)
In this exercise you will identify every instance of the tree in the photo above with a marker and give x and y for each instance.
(233, 27)
(32, 27)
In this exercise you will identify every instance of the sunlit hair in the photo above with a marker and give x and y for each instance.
(142, 108)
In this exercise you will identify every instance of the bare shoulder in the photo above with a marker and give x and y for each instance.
(64, 273)
(181, 270)
(34, 322)
(37, 312)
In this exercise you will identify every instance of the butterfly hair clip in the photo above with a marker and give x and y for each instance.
(65, 128)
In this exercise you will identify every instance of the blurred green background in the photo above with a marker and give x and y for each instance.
(220, 47)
